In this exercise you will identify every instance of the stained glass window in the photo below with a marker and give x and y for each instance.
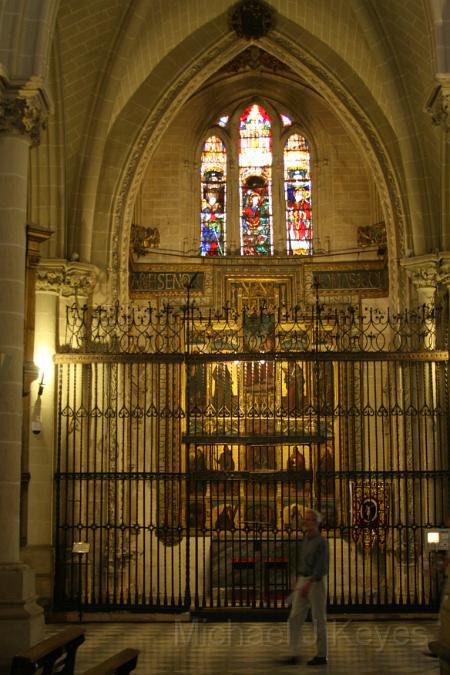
(223, 120)
(285, 120)
(255, 185)
(297, 182)
(213, 215)
(255, 180)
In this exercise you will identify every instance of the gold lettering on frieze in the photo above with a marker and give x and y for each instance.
(145, 282)
(351, 279)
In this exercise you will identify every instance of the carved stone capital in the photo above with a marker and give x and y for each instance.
(66, 278)
(423, 270)
(438, 104)
(23, 109)
(429, 274)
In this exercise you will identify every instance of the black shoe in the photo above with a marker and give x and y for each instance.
(290, 660)
(429, 653)
(317, 661)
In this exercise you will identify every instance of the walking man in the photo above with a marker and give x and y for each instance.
(310, 590)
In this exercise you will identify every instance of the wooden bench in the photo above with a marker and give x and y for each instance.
(59, 650)
(119, 664)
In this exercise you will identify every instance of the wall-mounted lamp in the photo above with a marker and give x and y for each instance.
(41, 383)
(36, 424)
(44, 362)
(437, 539)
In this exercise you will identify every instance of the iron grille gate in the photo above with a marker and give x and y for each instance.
(189, 447)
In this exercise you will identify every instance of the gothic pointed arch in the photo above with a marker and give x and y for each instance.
(379, 153)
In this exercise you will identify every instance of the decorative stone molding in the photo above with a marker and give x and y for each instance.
(253, 58)
(428, 273)
(66, 278)
(252, 19)
(438, 104)
(23, 109)
(36, 236)
(423, 270)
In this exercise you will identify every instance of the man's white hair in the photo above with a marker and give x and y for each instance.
(316, 514)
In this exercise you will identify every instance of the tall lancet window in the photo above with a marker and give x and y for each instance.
(297, 187)
(213, 215)
(255, 181)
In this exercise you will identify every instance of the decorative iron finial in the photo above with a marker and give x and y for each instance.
(252, 19)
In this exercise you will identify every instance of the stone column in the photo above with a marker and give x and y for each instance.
(21, 115)
(58, 283)
(35, 237)
(422, 436)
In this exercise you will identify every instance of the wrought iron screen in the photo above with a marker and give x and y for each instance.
(190, 445)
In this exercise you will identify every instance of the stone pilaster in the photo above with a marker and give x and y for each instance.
(35, 237)
(39, 552)
(430, 275)
(58, 283)
(438, 106)
(22, 116)
(423, 271)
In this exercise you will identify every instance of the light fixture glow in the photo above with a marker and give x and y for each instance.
(433, 537)
(44, 361)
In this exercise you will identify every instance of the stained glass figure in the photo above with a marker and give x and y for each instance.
(223, 120)
(297, 181)
(285, 120)
(255, 179)
(213, 215)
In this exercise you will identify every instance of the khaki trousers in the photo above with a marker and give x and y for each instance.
(317, 600)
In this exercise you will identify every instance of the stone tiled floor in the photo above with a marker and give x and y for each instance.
(355, 647)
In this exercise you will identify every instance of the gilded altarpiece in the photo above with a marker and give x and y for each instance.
(259, 426)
